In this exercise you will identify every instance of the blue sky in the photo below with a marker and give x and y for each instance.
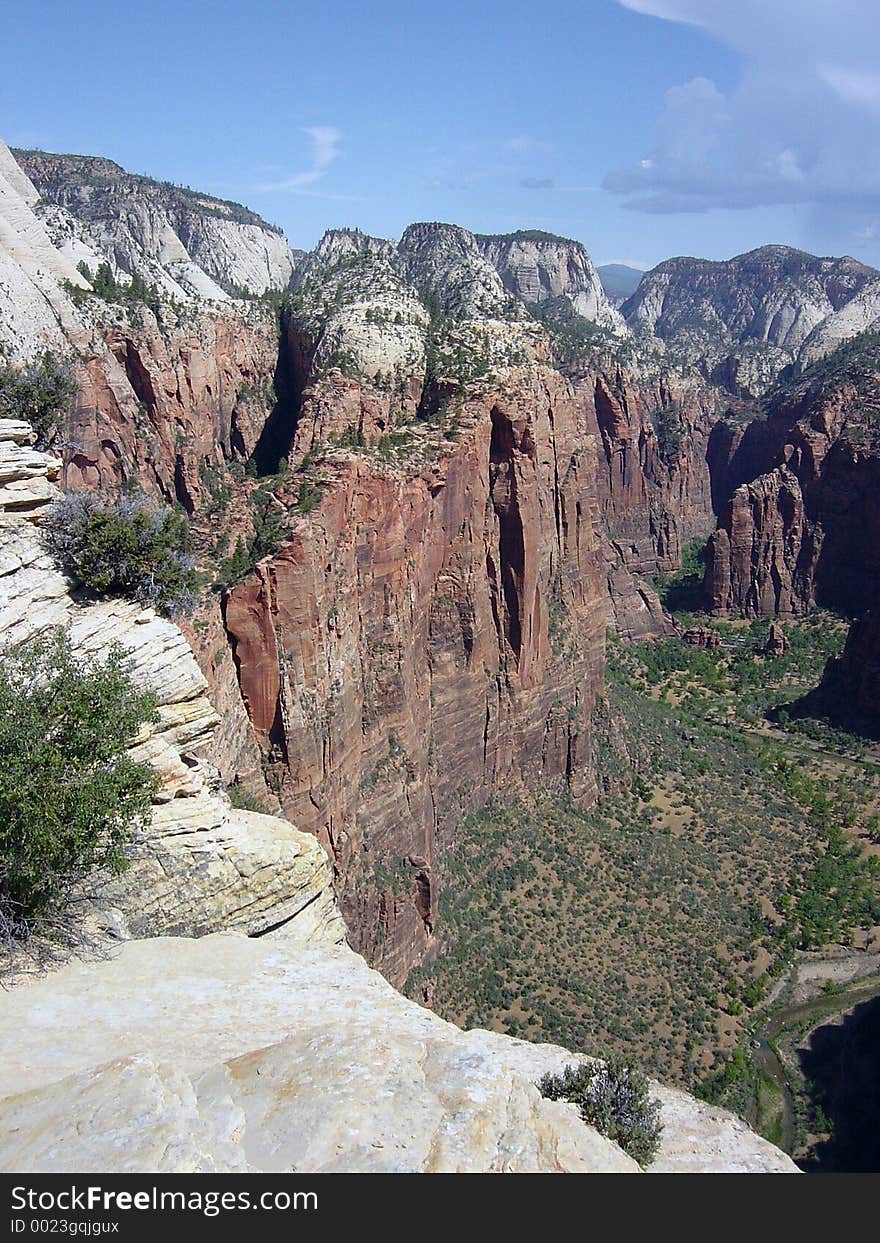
(645, 128)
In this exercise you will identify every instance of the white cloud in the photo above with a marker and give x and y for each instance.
(325, 140)
(799, 128)
(525, 143)
(857, 87)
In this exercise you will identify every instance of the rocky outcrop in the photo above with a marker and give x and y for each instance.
(431, 635)
(200, 866)
(778, 642)
(27, 476)
(805, 531)
(445, 264)
(188, 244)
(34, 309)
(536, 266)
(233, 1054)
(703, 637)
(761, 559)
(745, 319)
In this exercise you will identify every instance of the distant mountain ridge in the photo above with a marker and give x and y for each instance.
(743, 320)
(740, 323)
(619, 280)
(186, 243)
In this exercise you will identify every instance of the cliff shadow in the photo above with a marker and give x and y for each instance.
(842, 1068)
(824, 711)
(288, 382)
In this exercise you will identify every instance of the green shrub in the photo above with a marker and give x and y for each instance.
(39, 392)
(125, 547)
(613, 1097)
(243, 800)
(70, 795)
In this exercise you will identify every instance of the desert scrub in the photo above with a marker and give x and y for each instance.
(243, 800)
(40, 393)
(124, 548)
(70, 795)
(613, 1097)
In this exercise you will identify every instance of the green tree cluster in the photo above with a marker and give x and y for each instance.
(70, 795)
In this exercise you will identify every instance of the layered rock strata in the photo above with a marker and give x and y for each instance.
(427, 638)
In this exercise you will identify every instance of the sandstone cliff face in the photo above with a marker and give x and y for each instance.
(161, 396)
(536, 267)
(805, 531)
(653, 482)
(427, 637)
(425, 640)
(761, 560)
(188, 244)
(160, 403)
(743, 320)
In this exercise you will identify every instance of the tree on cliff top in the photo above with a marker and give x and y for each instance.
(70, 795)
(612, 1096)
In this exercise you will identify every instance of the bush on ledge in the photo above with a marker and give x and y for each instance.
(612, 1096)
(40, 392)
(126, 548)
(70, 795)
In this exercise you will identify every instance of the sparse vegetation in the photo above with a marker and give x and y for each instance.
(129, 294)
(656, 921)
(244, 800)
(268, 535)
(669, 429)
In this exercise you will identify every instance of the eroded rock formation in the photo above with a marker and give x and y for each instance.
(425, 640)
(805, 530)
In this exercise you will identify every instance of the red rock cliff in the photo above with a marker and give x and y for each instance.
(426, 641)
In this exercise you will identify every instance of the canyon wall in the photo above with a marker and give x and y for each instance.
(426, 640)
(803, 530)
(234, 1053)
